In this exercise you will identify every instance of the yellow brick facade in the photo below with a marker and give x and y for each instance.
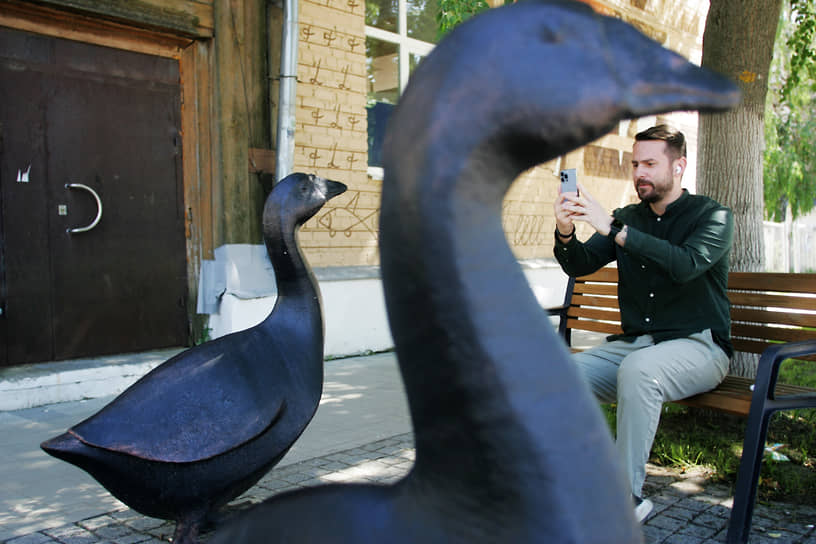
(331, 134)
(331, 131)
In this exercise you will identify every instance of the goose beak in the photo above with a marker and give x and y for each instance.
(685, 88)
(334, 188)
(658, 80)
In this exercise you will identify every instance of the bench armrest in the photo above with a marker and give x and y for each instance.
(558, 310)
(561, 312)
(772, 358)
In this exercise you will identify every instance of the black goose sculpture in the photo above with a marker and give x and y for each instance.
(510, 444)
(203, 427)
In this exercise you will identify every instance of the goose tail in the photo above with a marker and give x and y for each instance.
(65, 446)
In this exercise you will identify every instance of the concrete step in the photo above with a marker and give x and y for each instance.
(40, 384)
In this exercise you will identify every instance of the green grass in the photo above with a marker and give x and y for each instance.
(690, 437)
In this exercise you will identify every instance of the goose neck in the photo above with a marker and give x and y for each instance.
(293, 276)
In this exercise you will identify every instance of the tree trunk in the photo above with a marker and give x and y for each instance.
(738, 42)
(730, 158)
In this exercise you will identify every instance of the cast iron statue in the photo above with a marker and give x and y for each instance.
(510, 445)
(203, 427)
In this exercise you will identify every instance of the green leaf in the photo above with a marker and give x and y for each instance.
(454, 12)
(789, 160)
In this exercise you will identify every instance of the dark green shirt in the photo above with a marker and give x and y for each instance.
(673, 270)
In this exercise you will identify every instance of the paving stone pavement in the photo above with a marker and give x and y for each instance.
(360, 433)
(688, 508)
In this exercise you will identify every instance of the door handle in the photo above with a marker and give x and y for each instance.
(98, 208)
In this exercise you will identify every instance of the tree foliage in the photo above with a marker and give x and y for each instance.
(454, 12)
(790, 122)
(800, 43)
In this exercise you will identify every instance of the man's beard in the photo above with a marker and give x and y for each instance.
(657, 192)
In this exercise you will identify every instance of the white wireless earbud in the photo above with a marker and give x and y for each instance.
(677, 170)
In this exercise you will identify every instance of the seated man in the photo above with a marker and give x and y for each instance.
(672, 255)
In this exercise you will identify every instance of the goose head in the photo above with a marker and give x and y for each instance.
(536, 80)
(295, 200)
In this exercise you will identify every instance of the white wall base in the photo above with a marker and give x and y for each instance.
(353, 312)
(354, 308)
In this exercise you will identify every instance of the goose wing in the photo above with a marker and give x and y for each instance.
(199, 404)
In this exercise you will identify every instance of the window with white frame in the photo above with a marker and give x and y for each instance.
(399, 33)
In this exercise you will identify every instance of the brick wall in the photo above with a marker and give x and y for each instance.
(331, 137)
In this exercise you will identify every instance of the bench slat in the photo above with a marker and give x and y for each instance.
(734, 394)
(758, 346)
(594, 313)
(760, 332)
(773, 281)
(749, 346)
(716, 400)
(772, 300)
(753, 315)
(736, 384)
(594, 326)
(607, 273)
(602, 302)
(608, 289)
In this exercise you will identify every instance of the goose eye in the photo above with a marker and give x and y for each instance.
(549, 35)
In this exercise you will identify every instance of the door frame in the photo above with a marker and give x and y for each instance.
(195, 56)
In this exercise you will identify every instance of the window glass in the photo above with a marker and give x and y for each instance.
(382, 14)
(393, 49)
(422, 20)
(382, 60)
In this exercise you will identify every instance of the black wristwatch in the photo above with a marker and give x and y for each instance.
(616, 226)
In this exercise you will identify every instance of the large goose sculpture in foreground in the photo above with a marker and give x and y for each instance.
(204, 426)
(510, 445)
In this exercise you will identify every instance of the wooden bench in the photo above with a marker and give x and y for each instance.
(772, 314)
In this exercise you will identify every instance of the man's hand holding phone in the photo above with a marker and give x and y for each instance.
(569, 181)
(579, 205)
(563, 216)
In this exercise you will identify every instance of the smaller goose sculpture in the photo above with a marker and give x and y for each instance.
(206, 425)
(510, 445)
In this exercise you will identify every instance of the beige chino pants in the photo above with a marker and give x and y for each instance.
(640, 376)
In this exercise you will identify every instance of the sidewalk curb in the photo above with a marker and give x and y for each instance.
(41, 384)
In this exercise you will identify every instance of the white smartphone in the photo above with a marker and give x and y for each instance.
(569, 181)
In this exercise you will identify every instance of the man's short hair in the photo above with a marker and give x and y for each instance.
(675, 141)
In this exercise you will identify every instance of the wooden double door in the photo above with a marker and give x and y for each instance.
(92, 245)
